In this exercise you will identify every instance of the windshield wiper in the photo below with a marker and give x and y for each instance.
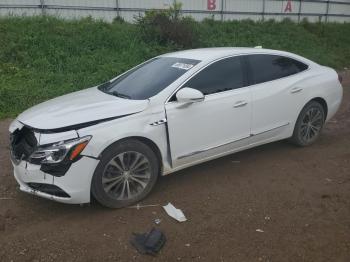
(104, 86)
(117, 94)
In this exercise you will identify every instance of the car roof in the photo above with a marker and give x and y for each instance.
(210, 54)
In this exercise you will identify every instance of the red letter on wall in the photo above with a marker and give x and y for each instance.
(211, 4)
(288, 6)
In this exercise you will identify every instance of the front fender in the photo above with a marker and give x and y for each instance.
(138, 125)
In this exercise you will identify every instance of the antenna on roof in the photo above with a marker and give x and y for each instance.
(258, 47)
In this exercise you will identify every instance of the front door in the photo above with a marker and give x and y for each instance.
(200, 130)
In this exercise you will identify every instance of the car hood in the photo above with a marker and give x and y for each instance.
(82, 108)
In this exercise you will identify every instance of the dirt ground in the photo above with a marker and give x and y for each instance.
(298, 197)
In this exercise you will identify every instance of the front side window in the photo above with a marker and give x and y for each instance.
(226, 74)
(271, 67)
(149, 79)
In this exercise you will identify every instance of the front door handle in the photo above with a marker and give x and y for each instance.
(296, 90)
(240, 104)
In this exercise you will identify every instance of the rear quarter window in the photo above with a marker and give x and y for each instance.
(266, 68)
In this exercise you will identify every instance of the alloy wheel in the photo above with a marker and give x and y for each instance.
(311, 124)
(126, 175)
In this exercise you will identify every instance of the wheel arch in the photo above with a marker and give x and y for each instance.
(151, 144)
(323, 103)
(317, 99)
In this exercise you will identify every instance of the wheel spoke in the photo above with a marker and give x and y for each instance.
(111, 185)
(115, 164)
(106, 180)
(113, 172)
(128, 192)
(142, 162)
(140, 169)
(315, 129)
(136, 160)
(117, 187)
(303, 130)
(317, 122)
(123, 190)
(308, 133)
(143, 184)
(316, 116)
(121, 159)
(312, 133)
(146, 176)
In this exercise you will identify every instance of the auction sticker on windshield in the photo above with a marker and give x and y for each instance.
(182, 66)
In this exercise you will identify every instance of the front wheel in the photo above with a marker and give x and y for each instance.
(309, 124)
(126, 174)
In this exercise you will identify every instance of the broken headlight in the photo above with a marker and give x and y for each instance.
(57, 152)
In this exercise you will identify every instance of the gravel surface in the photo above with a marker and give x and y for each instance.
(276, 202)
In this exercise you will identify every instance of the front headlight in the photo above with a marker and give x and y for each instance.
(55, 153)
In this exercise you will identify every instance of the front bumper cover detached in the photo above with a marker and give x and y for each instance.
(72, 188)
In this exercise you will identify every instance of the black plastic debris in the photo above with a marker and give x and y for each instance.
(149, 243)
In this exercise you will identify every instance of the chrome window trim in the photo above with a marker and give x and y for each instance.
(230, 56)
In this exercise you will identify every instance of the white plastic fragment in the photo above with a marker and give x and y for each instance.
(259, 230)
(174, 212)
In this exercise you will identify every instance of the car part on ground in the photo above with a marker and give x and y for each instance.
(175, 213)
(149, 243)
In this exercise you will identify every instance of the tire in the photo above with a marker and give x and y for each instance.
(129, 164)
(311, 119)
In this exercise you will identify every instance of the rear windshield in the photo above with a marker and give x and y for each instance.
(148, 79)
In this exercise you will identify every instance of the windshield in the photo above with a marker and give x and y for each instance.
(148, 79)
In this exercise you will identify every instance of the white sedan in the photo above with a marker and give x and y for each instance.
(112, 141)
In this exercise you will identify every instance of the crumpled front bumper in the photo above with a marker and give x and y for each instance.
(76, 183)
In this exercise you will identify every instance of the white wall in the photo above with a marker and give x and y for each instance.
(242, 9)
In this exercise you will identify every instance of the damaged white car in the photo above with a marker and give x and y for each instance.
(113, 141)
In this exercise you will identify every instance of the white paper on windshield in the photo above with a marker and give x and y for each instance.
(182, 66)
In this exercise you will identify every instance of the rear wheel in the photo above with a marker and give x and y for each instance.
(309, 124)
(126, 174)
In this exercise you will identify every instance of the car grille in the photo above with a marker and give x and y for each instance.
(23, 144)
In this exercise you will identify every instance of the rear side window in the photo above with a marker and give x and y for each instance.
(226, 74)
(271, 67)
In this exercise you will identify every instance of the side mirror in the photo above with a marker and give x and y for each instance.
(189, 95)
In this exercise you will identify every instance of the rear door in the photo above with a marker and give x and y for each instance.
(277, 92)
(200, 130)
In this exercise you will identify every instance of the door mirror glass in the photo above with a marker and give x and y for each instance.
(189, 95)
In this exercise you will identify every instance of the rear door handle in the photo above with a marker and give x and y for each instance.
(240, 104)
(296, 90)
